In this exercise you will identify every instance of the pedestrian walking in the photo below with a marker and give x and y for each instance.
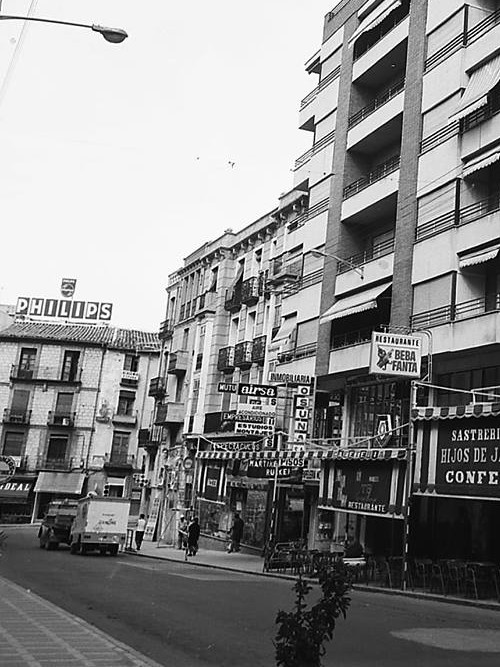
(182, 532)
(236, 533)
(193, 535)
(139, 531)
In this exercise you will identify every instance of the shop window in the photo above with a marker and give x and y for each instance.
(369, 402)
(13, 443)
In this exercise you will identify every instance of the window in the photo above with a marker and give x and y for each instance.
(178, 390)
(119, 447)
(196, 395)
(27, 362)
(213, 280)
(70, 366)
(185, 339)
(250, 325)
(131, 363)
(64, 403)
(126, 403)
(13, 443)
(57, 448)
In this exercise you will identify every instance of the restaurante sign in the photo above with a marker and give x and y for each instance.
(396, 355)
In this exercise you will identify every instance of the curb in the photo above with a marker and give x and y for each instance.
(415, 595)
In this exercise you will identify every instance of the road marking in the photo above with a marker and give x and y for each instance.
(453, 639)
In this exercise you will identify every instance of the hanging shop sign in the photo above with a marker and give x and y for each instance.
(290, 378)
(468, 457)
(62, 308)
(363, 488)
(256, 410)
(7, 468)
(15, 489)
(396, 355)
(227, 387)
(288, 469)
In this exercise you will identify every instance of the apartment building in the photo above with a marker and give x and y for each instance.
(406, 139)
(241, 311)
(73, 400)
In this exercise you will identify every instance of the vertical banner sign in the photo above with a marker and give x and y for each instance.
(396, 355)
(301, 414)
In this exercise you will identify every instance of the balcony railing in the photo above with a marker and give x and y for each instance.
(483, 26)
(170, 413)
(63, 463)
(283, 270)
(376, 103)
(55, 418)
(465, 215)
(232, 301)
(312, 212)
(482, 114)
(259, 349)
(45, 374)
(118, 459)
(300, 352)
(321, 143)
(351, 338)
(378, 173)
(157, 387)
(439, 136)
(322, 84)
(130, 378)
(243, 354)
(449, 313)
(13, 416)
(378, 250)
(166, 330)
(225, 361)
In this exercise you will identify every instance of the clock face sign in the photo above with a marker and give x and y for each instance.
(7, 468)
(68, 286)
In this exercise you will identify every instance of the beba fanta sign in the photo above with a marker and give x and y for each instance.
(395, 354)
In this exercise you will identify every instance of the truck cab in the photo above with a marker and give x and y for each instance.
(56, 524)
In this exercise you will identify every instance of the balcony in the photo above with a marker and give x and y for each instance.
(62, 464)
(166, 330)
(225, 362)
(129, 378)
(250, 291)
(45, 374)
(178, 362)
(375, 190)
(369, 39)
(465, 309)
(349, 338)
(11, 416)
(284, 272)
(143, 436)
(119, 461)
(206, 303)
(376, 103)
(259, 350)
(300, 352)
(379, 250)
(157, 387)
(128, 418)
(243, 354)
(64, 419)
(170, 413)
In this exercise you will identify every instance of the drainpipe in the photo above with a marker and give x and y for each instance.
(98, 392)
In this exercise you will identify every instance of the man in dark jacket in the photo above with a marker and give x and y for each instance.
(193, 535)
(236, 533)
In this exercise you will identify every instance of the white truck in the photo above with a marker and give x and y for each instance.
(100, 525)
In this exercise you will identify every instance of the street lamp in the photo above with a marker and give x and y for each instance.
(114, 35)
(358, 269)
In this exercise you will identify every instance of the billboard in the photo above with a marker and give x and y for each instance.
(64, 309)
(395, 354)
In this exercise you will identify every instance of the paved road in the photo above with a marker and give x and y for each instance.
(184, 616)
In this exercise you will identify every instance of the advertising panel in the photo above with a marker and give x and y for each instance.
(468, 457)
(212, 481)
(362, 488)
(64, 309)
(395, 354)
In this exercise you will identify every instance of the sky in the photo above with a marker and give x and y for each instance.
(115, 160)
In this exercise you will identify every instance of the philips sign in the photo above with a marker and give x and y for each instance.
(64, 309)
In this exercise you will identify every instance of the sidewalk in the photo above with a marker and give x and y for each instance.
(36, 633)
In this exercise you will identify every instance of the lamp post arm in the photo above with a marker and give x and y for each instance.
(115, 35)
(340, 259)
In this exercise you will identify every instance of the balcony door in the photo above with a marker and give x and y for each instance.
(19, 406)
(27, 362)
(57, 449)
(119, 447)
(70, 366)
(64, 405)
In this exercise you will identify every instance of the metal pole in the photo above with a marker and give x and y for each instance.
(274, 510)
(408, 486)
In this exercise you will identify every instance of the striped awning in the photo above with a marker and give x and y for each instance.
(475, 257)
(340, 453)
(456, 411)
(374, 18)
(485, 159)
(481, 81)
(354, 303)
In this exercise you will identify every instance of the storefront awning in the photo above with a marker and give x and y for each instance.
(339, 453)
(374, 488)
(374, 18)
(355, 303)
(481, 161)
(60, 482)
(479, 256)
(481, 81)
(457, 411)
(285, 332)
